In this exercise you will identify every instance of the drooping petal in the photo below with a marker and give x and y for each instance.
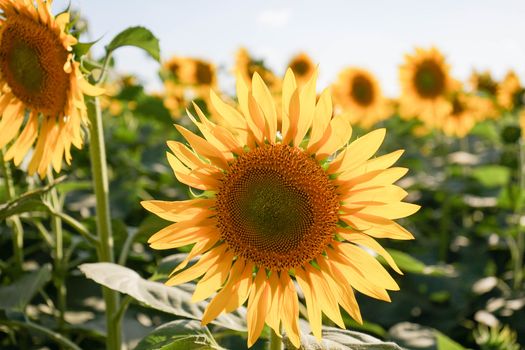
(180, 210)
(264, 99)
(258, 306)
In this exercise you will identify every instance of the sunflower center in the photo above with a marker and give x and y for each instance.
(362, 90)
(457, 107)
(277, 207)
(300, 67)
(204, 73)
(32, 60)
(429, 79)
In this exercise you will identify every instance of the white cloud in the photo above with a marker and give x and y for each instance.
(276, 18)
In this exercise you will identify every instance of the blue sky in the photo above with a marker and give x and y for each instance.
(482, 34)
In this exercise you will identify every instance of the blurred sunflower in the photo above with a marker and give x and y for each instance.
(202, 73)
(510, 92)
(463, 114)
(41, 86)
(174, 99)
(278, 207)
(302, 66)
(246, 66)
(359, 94)
(483, 82)
(425, 83)
(177, 68)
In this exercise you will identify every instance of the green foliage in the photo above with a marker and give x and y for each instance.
(17, 295)
(179, 335)
(139, 37)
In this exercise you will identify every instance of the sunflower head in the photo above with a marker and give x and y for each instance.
(425, 83)
(204, 73)
(463, 114)
(175, 68)
(282, 203)
(41, 87)
(510, 93)
(358, 93)
(483, 82)
(246, 66)
(302, 66)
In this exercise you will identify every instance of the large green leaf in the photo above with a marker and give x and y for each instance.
(407, 263)
(417, 337)
(29, 201)
(139, 37)
(492, 175)
(18, 294)
(174, 300)
(179, 335)
(341, 339)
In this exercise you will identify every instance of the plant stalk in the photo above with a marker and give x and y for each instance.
(276, 342)
(13, 221)
(105, 248)
(60, 265)
(520, 239)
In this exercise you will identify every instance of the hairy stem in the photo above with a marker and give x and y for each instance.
(97, 150)
(13, 221)
(58, 256)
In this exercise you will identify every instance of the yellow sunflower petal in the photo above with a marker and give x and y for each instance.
(307, 108)
(180, 210)
(322, 116)
(369, 242)
(213, 278)
(204, 264)
(358, 152)
(289, 313)
(264, 99)
(312, 307)
(258, 305)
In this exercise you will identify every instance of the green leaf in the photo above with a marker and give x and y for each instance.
(174, 300)
(179, 335)
(445, 343)
(410, 264)
(139, 37)
(78, 185)
(417, 337)
(82, 49)
(492, 175)
(18, 294)
(29, 201)
(341, 339)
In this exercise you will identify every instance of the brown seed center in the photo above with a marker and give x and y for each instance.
(277, 207)
(429, 79)
(362, 90)
(32, 60)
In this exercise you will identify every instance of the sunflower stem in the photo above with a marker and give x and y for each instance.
(60, 273)
(276, 342)
(520, 239)
(13, 221)
(105, 248)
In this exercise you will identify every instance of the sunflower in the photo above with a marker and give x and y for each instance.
(302, 66)
(464, 112)
(358, 93)
(173, 98)
(483, 82)
(279, 207)
(190, 71)
(510, 92)
(246, 66)
(41, 86)
(202, 73)
(425, 84)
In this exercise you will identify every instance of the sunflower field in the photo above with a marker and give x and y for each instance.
(281, 214)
